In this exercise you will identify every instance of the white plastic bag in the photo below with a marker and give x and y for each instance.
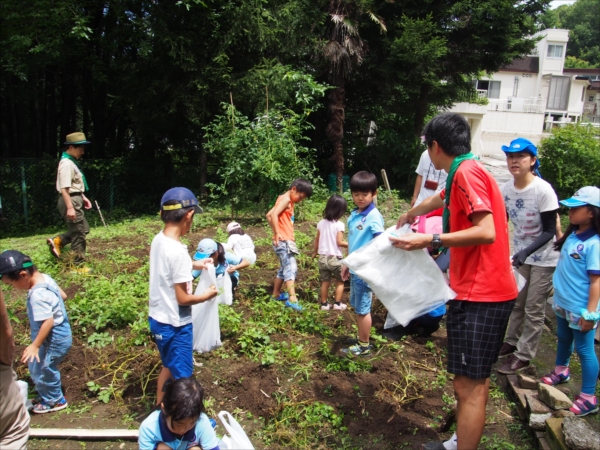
(205, 316)
(237, 439)
(408, 283)
(520, 279)
(390, 322)
(23, 388)
(225, 295)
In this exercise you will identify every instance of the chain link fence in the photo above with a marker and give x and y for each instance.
(28, 193)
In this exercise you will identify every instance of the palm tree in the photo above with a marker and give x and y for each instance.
(343, 52)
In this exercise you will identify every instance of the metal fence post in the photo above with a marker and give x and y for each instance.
(112, 192)
(24, 190)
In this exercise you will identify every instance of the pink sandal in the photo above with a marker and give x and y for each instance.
(553, 378)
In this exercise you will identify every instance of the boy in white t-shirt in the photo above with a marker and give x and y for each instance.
(240, 243)
(429, 180)
(328, 245)
(171, 299)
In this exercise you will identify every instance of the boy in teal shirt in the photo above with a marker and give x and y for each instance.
(364, 224)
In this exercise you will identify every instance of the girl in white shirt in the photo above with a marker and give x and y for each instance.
(240, 243)
(328, 245)
(532, 207)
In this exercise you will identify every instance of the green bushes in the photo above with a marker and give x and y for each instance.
(570, 158)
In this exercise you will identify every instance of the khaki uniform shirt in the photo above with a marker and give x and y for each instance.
(14, 418)
(69, 176)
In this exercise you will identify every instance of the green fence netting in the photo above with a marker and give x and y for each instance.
(28, 188)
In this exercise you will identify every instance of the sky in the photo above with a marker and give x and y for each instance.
(556, 3)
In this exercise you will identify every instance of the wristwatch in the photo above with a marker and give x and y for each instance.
(436, 242)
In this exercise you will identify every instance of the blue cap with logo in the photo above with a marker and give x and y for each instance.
(206, 247)
(523, 145)
(12, 261)
(589, 195)
(184, 198)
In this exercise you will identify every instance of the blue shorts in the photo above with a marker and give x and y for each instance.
(175, 347)
(289, 267)
(360, 296)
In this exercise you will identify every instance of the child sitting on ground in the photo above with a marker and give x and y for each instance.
(281, 220)
(240, 243)
(223, 261)
(328, 243)
(50, 328)
(181, 421)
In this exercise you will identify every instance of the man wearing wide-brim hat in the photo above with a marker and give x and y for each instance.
(71, 185)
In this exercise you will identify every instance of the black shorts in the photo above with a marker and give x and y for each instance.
(475, 334)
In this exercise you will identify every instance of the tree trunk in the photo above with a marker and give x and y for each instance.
(203, 171)
(35, 116)
(335, 130)
(52, 143)
(421, 109)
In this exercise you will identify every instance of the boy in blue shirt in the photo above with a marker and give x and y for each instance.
(50, 330)
(364, 224)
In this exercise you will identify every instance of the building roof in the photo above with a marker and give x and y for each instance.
(592, 71)
(529, 64)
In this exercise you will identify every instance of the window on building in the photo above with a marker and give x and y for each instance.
(555, 51)
(591, 98)
(492, 88)
(558, 95)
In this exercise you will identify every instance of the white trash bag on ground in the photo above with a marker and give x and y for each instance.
(408, 283)
(205, 316)
(237, 438)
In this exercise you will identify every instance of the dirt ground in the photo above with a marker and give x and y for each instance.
(256, 393)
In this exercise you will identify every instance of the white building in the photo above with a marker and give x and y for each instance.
(591, 103)
(528, 97)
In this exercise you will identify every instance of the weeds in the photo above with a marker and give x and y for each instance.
(302, 424)
(405, 390)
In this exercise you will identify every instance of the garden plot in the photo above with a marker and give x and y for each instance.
(279, 372)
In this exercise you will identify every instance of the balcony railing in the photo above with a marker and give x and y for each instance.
(516, 104)
(478, 97)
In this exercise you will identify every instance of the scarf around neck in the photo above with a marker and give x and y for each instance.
(453, 168)
(65, 155)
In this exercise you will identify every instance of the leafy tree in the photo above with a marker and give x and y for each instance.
(434, 49)
(582, 19)
(343, 51)
(572, 62)
(259, 158)
(570, 158)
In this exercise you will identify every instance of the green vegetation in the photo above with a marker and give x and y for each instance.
(281, 373)
(582, 19)
(144, 78)
(570, 158)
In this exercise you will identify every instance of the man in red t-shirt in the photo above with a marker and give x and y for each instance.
(476, 232)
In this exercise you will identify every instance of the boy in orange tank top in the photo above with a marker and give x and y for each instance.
(281, 220)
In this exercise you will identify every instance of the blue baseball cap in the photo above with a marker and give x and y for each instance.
(589, 195)
(522, 145)
(184, 198)
(206, 247)
(12, 261)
